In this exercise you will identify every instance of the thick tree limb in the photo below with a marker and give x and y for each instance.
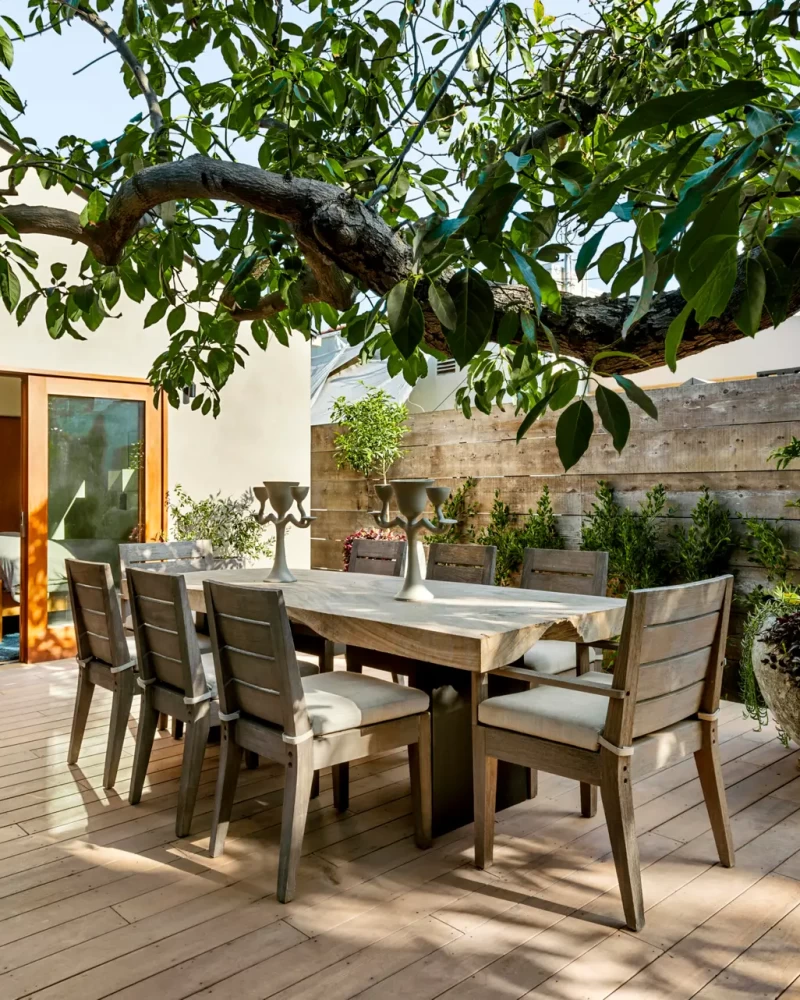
(343, 240)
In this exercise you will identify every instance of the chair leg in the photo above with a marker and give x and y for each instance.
(327, 657)
(148, 720)
(352, 660)
(534, 783)
(118, 727)
(193, 752)
(251, 760)
(83, 702)
(296, 795)
(708, 769)
(588, 800)
(177, 729)
(163, 721)
(617, 793)
(230, 762)
(315, 786)
(340, 775)
(419, 762)
(484, 771)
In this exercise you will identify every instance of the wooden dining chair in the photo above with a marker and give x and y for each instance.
(380, 556)
(106, 658)
(168, 557)
(462, 563)
(304, 723)
(660, 705)
(176, 679)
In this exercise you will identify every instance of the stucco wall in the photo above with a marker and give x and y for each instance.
(263, 431)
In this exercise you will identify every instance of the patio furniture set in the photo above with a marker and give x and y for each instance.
(485, 705)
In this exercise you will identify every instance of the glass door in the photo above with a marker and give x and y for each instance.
(95, 479)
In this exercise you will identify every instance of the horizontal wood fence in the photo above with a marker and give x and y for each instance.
(716, 435)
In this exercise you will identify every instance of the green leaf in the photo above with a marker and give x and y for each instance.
(398, 304)
(609, 261)
(58, 271)
(526, 270)
(156, 312)
(6, 49)
(751, 308)
(779, 286)
(586, 254)
(675, 336)
(130, 16)
(689, 106)
(648, 228)
(551, 296)
(6, 226)
(646, 294)
(25, 307)
(532, 416)
(408, 336)
(508, 328)
(260, 332)
(495, 209)
(637, 395)
(176, 318)
(96, 206)
(614, 414)
(518, 163)
(83, 297)
(528, 327)
(759, 122)
(474, 304)
(627, 277)
(573, 433)
(442, 305)
(9, 285)
(565, 386)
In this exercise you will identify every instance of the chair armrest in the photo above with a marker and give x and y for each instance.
(547, 680)
(602, 644)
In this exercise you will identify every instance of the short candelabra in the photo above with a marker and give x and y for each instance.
(281, 497)
(412, 497)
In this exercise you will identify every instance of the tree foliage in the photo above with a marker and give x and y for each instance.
(409, 172)
(373, 429)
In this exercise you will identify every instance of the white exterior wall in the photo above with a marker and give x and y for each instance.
(263, 431)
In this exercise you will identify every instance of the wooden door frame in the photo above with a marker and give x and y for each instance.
(40, 642)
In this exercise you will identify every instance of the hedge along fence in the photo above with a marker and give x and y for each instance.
(716, 435)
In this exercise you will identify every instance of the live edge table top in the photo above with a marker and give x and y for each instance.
(467, 626)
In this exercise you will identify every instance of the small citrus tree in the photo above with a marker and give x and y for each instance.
(373, 429)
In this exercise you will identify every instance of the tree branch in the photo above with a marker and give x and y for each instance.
(343, 240)
(105, 29)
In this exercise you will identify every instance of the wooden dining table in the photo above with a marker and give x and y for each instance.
(465, 633)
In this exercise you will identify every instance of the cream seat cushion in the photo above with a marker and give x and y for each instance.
(551, 656)
(341, 700)
(552, 713)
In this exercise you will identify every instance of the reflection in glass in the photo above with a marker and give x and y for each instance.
(95, 494)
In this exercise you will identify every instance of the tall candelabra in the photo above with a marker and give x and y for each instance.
(412, 498)
(281, 497)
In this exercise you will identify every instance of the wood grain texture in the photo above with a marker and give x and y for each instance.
(467, 626)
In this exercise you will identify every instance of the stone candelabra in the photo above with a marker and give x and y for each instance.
(281, 497)
(412, 497)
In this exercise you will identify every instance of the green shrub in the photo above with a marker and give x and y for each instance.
(540, 528)
(635, 556)
(765, 543)
(227, 522)
(703, 550)
(461, 507)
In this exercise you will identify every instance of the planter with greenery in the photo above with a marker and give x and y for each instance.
(227, 522)
(373, 428)
(702, 550)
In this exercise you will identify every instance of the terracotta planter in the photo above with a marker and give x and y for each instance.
(781, 691)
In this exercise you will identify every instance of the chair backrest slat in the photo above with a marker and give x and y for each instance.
(166, 641)
(379, 556)
(167, 557)
(671, 656)
(462, 563)
(567, 572)
(95, 609)
(254, 656)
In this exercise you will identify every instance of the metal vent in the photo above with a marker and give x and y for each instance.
(447, 367)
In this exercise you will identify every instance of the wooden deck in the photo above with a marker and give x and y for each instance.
(98, 899)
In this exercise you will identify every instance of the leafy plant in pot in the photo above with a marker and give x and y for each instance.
(775, 661)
